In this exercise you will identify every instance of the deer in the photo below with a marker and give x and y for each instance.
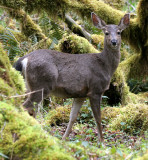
(78, 76)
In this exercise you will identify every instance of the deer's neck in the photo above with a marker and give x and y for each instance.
(111, 59)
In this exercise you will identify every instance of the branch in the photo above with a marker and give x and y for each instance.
(72, 25)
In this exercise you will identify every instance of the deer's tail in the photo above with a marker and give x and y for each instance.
(18, 65)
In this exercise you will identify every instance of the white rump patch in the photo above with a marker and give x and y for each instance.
(24, 65)
(24, 72)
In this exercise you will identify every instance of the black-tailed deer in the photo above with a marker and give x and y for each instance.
(74, 76)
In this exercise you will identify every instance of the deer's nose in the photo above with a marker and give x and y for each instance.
(114, 42)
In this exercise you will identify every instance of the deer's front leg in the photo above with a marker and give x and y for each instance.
(77, 103)
(96, 108)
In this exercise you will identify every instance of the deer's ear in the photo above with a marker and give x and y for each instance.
(98, 22)
(124, 22)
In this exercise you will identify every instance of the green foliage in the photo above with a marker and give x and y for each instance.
(137, 86)
(11, 44)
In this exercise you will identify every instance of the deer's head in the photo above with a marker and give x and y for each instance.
(112, 32)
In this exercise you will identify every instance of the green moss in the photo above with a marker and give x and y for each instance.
(23, 138)
(11, 82)
(132, 119)
(142, 12)
(108, 113)
(58, 115)
(98, 40)
(18, 80)
(5, 89)
(133, 67)
(76, 45)
(84, 7)
(115, 3)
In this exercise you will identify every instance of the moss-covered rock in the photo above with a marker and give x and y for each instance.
(23, 138)
(132, 119)
(59, 115)
(108, 113)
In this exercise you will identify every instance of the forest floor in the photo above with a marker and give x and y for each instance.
(116, 145)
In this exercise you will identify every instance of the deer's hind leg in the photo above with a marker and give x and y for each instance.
(40, 83)
(77, 103)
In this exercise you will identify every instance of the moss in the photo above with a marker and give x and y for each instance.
(11, 82)
(23, 138)
(18, 80)
(115, 3)
(84, 7)
(133, 119)
(142, 12)
(134, 68)
(75, 45)
(58, 115)
(98, 40)
(5, 89)
(108, 113)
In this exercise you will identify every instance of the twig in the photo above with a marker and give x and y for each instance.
(76, 28)
(22, 94)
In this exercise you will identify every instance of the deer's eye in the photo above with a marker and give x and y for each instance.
(118, 32)
(106, 33)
